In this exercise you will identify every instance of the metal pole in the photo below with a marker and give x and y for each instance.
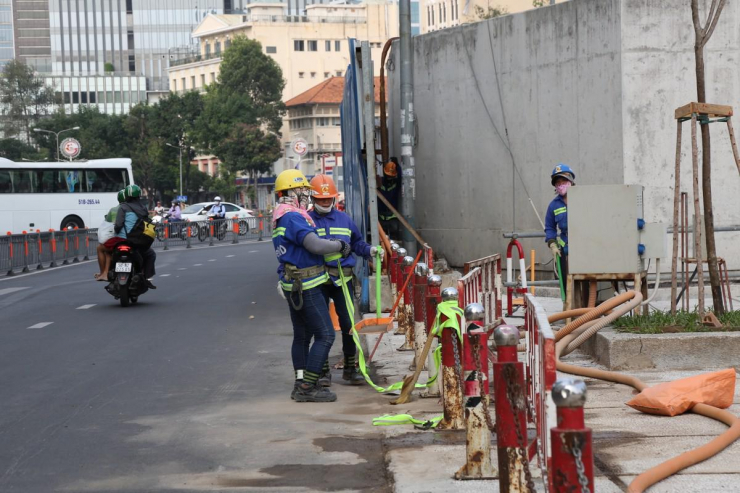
(368, 112)
(452, 402)
(57, 136)
(572, 452)
(408, 180)
(181, 169)
(420, 333)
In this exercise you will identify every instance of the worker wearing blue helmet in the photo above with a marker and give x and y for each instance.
(562, 178)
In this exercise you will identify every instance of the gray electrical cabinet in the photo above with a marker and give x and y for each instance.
(603, 232)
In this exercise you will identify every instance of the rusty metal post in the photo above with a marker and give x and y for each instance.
(420, 289)
(392, 269)
(478, 463)
(408, 306)
(433, 297)
(511, 421)
(452, 398)
(401, 311)
(572, 454)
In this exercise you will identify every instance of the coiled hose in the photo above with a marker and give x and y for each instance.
(586, 326)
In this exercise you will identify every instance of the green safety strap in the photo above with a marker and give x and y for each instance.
(447, 308)
(560, 279)
(406, 419)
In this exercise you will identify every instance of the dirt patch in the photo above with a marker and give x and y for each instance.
(368, 476)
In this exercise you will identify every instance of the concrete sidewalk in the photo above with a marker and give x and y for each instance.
(626, 442)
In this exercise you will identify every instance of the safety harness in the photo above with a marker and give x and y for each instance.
(297, 276)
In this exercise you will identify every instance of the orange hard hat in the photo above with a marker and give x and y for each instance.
(390, 169)
(322, 187)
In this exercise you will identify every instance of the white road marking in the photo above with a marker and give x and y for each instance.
(212, 260)
(85, 307)
(197, 265)
(11, 290)
(165, 275)
(229, 256)
(254, 251)
(182, 268)
(40, 325)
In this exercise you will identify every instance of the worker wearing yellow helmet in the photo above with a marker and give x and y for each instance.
(300, 253)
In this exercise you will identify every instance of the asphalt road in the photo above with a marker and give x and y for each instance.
(186, 391)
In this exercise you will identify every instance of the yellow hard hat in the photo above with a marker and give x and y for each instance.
(290, 178)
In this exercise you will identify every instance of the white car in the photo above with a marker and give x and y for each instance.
(199, 212)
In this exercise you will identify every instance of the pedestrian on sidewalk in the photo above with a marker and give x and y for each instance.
(562, 178)
(301, 273)
(390, 187)
(333, 224)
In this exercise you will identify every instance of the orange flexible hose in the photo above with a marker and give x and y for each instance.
(594, 313)
(678, 463)
(592, 292)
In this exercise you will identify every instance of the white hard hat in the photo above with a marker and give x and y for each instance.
(217, 198)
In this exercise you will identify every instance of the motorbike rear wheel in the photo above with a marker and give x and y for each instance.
(125, 300)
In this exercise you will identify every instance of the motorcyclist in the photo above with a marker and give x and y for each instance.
(174, 212)
(159, 209)
(128, 214)
(105, 250)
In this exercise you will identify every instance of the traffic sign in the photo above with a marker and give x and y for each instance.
(70, 148)
(182, 198)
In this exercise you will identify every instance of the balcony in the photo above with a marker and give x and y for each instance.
(194, 59)
(305, 18)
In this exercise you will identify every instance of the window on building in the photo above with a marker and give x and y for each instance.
(313, 75)
(129, 7)
(327, 45)
(444, 12)
(202, 80)
(339, 73)
(83, 98)
(75, 97)
(192, 82)
(227, 43)
(326, 75)
(429, 15)
(300, 75)
(337, 122)
(132, 63)
(213, 76)
(217, 47)
(208, 49)
(313, 45)
(182, 80)
(130, 39)
(299, 45)
(270, 49)
(337, 45)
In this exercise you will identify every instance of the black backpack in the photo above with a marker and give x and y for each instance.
(142, 234)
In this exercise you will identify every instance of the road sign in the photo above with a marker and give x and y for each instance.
(70, 148)
(299, 146)
(182, 198)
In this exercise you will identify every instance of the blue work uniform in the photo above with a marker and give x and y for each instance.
(311, 320)
(338, 225)
(391, 190)
(287, 238)
(557, 218)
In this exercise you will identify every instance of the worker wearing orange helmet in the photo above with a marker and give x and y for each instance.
(390, 187)
(336, 225)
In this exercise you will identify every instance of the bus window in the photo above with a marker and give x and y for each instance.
(105, 180)
(6, 186)
(24, 181)
(59, 181)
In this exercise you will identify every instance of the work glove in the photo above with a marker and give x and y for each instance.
(377, 250)
(555, 250)
(346, 249)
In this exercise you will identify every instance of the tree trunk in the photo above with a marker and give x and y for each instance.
(706, 167)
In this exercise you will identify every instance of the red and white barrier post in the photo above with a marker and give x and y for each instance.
(408, 304)
(478, 464)
(392, 268)
(420, 291)
(510, 289)
(39, 250)
(25, 252)
(452, 395)
(53, 243)
(433, 297)
(511, 419)
(572, 452)
(401, 311)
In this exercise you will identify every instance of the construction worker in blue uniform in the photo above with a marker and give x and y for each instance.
(333, 224)
(390, 187)
(562, 178)
(301, 251)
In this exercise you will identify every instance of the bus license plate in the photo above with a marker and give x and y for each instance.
(123, 266)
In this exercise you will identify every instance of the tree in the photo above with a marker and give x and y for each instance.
(17, 150)
(25, 97)
(702, 35)
(249, 150)
(491, 12)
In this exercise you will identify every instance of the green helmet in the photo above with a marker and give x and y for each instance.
(132, 192)
(122, 196)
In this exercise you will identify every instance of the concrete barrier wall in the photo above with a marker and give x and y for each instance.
(590, 83)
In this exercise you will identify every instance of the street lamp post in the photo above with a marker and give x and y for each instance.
(56, 134)
(178, 147)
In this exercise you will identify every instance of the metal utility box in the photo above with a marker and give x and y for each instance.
(603, 234)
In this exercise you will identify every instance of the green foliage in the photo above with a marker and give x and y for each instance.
(25, 98)
(682, 321)
(108, 67)
(490, 13)
(17, 150)
(538, 3)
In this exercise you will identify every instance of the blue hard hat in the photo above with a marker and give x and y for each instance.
(564, 171)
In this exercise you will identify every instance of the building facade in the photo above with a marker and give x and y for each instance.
(6, 32)
(441, 14)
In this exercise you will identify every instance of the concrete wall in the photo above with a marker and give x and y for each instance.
(659, 76)
(590, 83)
(558, 72)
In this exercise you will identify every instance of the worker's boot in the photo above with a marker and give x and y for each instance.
(350, 372)
(298, 381)
(325, 377)
(311, 391)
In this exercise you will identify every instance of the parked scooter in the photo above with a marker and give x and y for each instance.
(127, 281)
(178, 229)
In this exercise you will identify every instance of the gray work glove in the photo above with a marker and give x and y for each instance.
(376, 250)
(555, 250)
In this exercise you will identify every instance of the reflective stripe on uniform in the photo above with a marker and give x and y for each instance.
(559, 211)
(332, 256)
(340, 231)
(321, 231)
(287, 286)
(561, 243)
(278, 232)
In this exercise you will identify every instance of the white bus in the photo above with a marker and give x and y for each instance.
(59, 195)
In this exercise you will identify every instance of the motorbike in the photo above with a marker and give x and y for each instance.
(220, 227)
(127, 281)
(178, 229)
